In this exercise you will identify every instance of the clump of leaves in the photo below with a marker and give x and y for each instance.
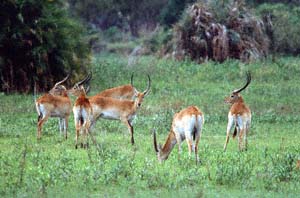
(205, 33)
(38, 42)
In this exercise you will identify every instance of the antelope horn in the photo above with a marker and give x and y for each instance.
(87, 89)
(87, 78)
(246, 85)
(154, 141)
(66, 78)
(148, 86)
(131, 79)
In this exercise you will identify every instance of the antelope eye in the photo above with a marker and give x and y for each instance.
(232, 96)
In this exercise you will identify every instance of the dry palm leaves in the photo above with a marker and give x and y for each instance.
(200, 36)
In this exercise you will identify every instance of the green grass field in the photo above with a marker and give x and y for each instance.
(113, 168)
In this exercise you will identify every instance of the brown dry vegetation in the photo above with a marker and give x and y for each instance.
(202, 35)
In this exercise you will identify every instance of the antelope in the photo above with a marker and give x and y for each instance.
(59, 89)
(187, 125)
(239, 116)
(56, 103)
(128, 92)
(82, 110)
(117, 109)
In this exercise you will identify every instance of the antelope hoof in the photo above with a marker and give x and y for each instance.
(81, 145)
(76, 146)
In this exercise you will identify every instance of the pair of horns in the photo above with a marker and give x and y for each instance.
(85, 80)
(246, 85)
(62, 81)
(148, 85)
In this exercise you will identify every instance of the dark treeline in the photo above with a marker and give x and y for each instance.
(39, 43)
(128, 15)
(41, 40)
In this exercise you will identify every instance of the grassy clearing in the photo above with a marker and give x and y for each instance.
(52, 167)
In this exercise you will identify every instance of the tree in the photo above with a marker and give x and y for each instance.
(128, 15)
(171, 13)
(38, 43)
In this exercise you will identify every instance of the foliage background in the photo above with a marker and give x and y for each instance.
(39, 43)
(115, 168)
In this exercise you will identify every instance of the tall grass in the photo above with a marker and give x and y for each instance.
(114, 168)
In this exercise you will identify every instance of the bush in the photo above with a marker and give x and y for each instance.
(38, 42)
(171, 13)
(217, 31)
(158, 38)
(285, 28)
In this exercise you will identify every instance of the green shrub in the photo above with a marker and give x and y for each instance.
(285, 27)
(38, 42)
(170, 14)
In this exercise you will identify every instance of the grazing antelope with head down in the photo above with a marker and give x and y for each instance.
(239, 116)
(187, 125)
(128, 92)
(117, 109)
(56, 103)
(82, 110)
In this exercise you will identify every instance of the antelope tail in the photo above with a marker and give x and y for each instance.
(37, 106)
(234, 132)
(194, 133)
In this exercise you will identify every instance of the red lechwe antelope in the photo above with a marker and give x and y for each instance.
(128, 92)
(118, 109)
(56, 103)
(239, 116)
(82, 111)
(187, 125)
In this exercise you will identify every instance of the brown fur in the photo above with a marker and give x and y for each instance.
(124, 91)
(126, 106)
(172, 140)
(81, 103)
(169, 144)
(298, 165)
(125, 109)
(53, 100)
(238, 107)
(52, 103)
(191, 110)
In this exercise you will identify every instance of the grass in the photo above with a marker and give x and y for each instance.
(114, 168)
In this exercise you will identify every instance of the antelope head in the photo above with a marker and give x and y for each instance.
(163, 152)
(58, 88)
(235, 95)
(140, 95)
(78, 88)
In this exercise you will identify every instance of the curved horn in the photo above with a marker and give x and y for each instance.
(154, 141)
(87, 78)
(66, 78)
(131, 79)
(87, 90)
(148, 86)
(246, 85)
